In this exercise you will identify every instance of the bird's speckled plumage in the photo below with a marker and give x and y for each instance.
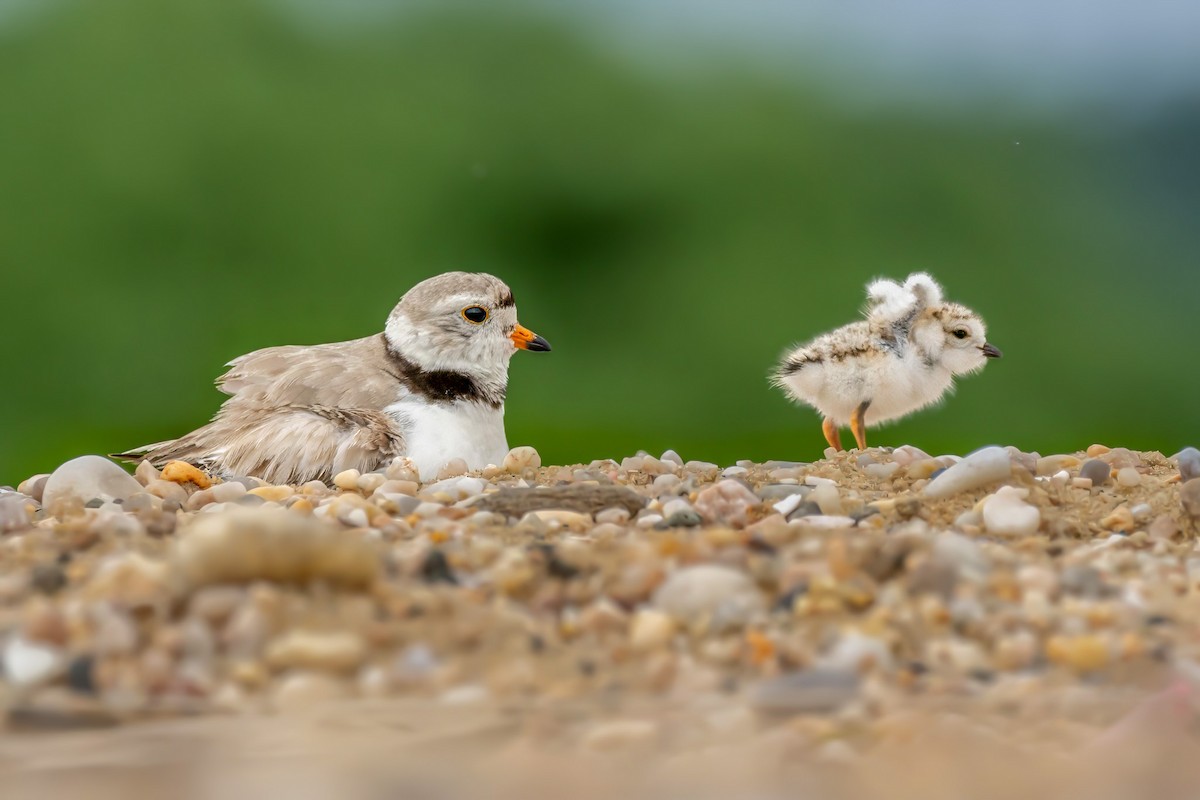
(430, 387)
(902, 357)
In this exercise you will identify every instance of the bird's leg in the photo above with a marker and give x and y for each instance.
(831, 434)
(859, 426)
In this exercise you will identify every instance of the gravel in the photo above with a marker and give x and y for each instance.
(831, 601)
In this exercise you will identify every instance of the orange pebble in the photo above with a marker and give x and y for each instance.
(183, 472)
(762, 649)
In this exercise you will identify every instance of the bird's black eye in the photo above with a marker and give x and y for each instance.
(960, 333)
(476, 315)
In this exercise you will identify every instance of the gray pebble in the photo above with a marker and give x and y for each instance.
(1096, 471)
(1189, 463)
(806, 509)
(773, 493)
(684, 519)
(1083, 580)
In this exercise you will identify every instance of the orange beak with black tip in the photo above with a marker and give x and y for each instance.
(526, 339)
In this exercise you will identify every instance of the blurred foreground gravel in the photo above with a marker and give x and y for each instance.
(872, 624)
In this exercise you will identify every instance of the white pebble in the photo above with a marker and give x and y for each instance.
(520, 459)
(1128, 476)
(1007, 513)
(980, 468)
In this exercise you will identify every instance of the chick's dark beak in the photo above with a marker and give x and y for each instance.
(991, 351)
(526, 339)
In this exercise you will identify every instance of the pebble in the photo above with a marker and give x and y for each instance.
(85, 478)
(31, 663)
(248, 544)
(1095, 470)
(329, 651)
(347, 480)
(1189, 465)
(983, 467)
(706, 590)
(809, 691)
(651, 629)
(1128, 477)
(1006, 513)
(520, 459)
(727, 501)
(16, 512)
(184, 473)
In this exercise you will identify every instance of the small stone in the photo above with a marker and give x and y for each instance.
(672, 457)
(520, 459)
(827, 499)
(16, 512)
(612, 516)
(1128, 477)
(329, 651)
(146, 472)
(1052, 464)
(983, 467)
(650, 630)
(457, 488)
(1189, 497)
(881, 472)
(86, 478)
(227, 492)
(557, 519)
(29, 663)
(727, 501)
(810, 691)
(706, 590)
(34, 486)
(182, 472)
(167, 491)
(347, 480)
(1121, 519)
(1189, 464)
(1083, 580)
(250, 544)
(1097, 471)
(1007, 514)
(1082, 654)
(48, 579)
(273, 494)
(367, 484)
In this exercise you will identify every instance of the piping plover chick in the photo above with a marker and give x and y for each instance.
(430, 387)
(901, 358)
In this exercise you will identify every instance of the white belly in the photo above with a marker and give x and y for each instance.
(435, 434)
(894, 387)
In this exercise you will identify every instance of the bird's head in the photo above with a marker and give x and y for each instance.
(460, 322)
(955, 337)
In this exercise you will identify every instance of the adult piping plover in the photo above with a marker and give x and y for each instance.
(430, 387)
(901, 358)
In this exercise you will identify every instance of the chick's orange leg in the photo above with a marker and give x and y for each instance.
(831, 434)
(859, 426)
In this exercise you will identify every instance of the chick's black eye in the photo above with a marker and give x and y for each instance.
(475, 314)
(960, 334)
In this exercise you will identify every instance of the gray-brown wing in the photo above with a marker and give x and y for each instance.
(350, 374)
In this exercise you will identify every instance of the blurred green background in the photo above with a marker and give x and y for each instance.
(183, 181)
